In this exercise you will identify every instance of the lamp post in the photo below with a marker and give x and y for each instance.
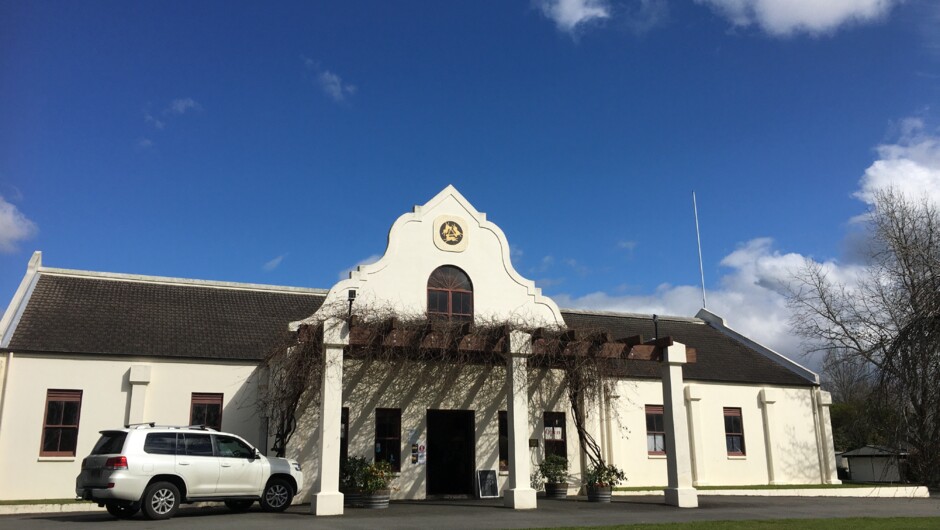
(351, 298)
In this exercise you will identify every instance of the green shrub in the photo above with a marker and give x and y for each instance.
(554, 469)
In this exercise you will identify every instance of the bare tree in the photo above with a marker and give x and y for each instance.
(888, 321)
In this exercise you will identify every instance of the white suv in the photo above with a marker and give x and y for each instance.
(157, 468)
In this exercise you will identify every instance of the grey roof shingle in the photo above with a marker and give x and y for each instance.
(77, 314)
(113, 316)
(720, 358)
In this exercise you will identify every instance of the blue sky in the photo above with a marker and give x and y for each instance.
(241, 142)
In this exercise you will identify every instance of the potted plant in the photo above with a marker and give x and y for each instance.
(554, 472)
(351, 477)
(601, 479)
(375, 481)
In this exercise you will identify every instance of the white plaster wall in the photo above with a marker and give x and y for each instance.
(416, 388)
(792, 432)
(399, 279)
(105, 400)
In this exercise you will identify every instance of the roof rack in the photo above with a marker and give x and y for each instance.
(152, 425)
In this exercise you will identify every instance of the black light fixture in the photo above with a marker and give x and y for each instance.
(352, 298)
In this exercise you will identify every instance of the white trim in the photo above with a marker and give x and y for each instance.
(718, 323)
(645, 316)
(182, 281)
(15, 310)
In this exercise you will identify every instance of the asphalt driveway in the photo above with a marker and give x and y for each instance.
(458, 514)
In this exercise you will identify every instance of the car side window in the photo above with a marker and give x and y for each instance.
(233, 447)
(196, 445)
(160, 443)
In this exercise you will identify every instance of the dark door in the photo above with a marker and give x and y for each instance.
(450, 452)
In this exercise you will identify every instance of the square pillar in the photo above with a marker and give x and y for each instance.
(768, 397)
(829, 472)
(326, 499)
(680, 491)
(139, 378)
(519, 494)
(693, 399)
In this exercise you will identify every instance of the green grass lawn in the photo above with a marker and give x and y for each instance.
(858, 523)
(770, 487)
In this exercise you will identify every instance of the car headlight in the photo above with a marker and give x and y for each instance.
(297, 466)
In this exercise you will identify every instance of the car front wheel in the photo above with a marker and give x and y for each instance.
(161, 500)
(123, 510)
(277, 496)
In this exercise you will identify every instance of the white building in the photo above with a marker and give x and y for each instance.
(87, 351)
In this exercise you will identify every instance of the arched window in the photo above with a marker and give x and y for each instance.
(450, 294)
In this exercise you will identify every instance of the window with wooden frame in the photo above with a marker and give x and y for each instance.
(388, 437)
(655, 430)
(206, 410)
(734, 431)
(555, 434)
(60, 424)
(450, 294)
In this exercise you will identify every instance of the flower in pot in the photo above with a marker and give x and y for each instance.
(601, 479)
(554, 472)
(351, 478)
(375, 484)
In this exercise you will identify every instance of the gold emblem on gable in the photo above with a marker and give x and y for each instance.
(451, 233)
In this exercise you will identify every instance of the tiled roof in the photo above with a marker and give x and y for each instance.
(720, 358)
(98, 315)
(102, 314)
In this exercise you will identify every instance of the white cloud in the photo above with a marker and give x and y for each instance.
(344, 274)
(334, 86)
(751, 294)
(157, 124)
(182, 105)
(786, 17)
(568, 15)
(144, 143)
(274, 263)
(14, 227)
(911, 166)
(626, 245)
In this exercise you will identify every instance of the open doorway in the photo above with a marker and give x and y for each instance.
(450, 452)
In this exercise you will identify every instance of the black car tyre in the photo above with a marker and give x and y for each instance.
(123, 510)
(239, 506)
(277, 495)
(161, 500)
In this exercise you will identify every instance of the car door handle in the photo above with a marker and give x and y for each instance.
(226, 465)
(183, 463)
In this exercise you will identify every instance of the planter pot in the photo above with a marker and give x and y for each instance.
(599, 494)
(376, 500)
(352, 499)
(556, 490)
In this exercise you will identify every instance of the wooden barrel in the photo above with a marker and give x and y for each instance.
(376, 500)
(556, 490)
(599, 494)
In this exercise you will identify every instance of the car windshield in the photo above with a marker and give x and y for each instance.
(111, 442)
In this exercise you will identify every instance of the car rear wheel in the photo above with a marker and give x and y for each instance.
(277, 495)
(123, 510)
(239, 506)
(161, 500)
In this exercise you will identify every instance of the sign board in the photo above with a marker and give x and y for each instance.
(487, 487)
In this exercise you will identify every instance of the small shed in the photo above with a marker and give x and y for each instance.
(875, 463)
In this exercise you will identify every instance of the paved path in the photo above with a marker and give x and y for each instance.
(459, 514)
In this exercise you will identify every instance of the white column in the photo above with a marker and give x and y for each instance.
(519, 493)
(768, 397)
(326, 499)
(139, 378)
(693, 398)
(680, 491)
(829, 472)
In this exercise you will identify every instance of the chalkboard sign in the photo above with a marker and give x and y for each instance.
(487, 487)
